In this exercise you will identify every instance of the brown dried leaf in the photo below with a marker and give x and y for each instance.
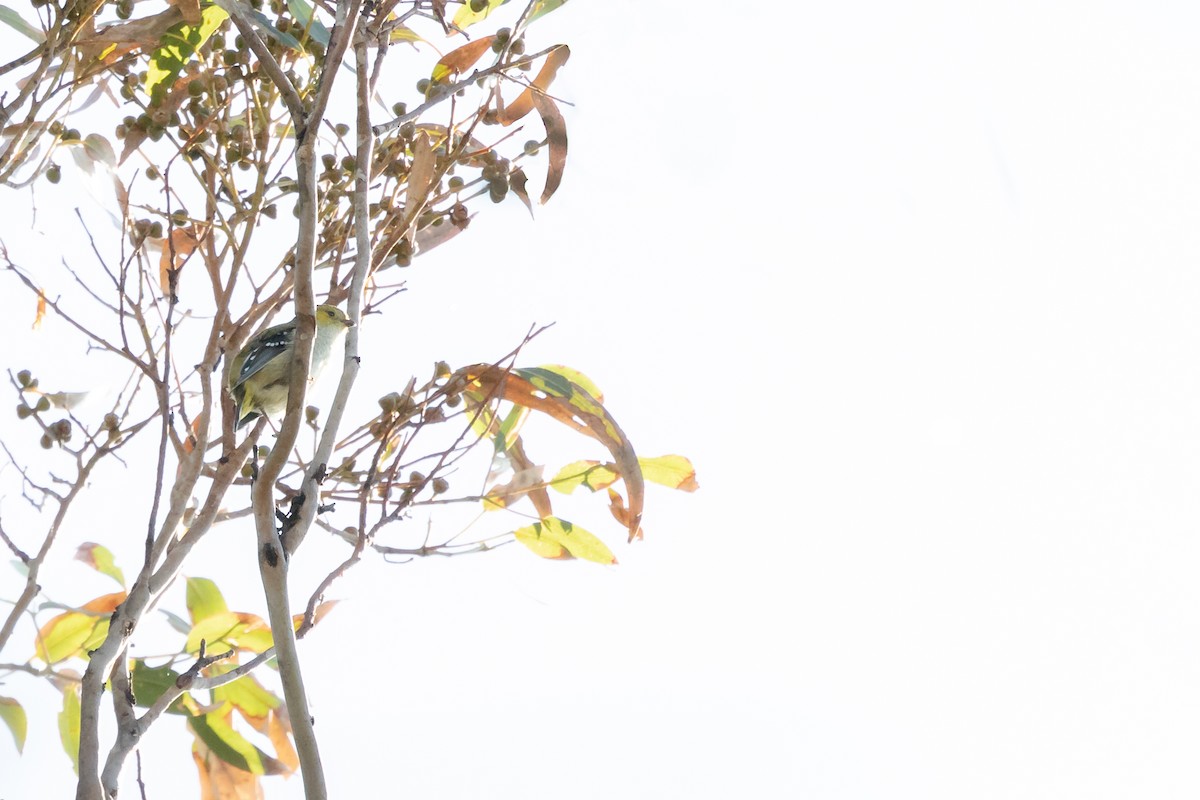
(112, 42)
(431, 236)
(525, 100)
(516, 181)
(170, 104)
(190, 10)
(556, 138)
(621, 513)
(522, 463)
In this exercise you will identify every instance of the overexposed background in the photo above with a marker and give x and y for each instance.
(915, 287)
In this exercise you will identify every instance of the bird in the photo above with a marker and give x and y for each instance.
(259, 375)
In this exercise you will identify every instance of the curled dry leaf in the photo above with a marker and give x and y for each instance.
(524, 103)
(556, 138)
(544, 390)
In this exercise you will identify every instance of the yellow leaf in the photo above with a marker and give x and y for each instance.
(576, 377)
(673, 471)
(557, 538)
(100, 558)
(69, 724)
(230, 630)
(13, 715)
(403, 33)
(595, 475)
(465, 17)
(179, 44)
(74, 632)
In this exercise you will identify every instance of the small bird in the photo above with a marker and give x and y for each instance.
(259, 375)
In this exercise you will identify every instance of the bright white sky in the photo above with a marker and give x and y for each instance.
(915, 286)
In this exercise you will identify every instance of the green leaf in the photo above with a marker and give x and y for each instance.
(557, 538)
(303, 12)
(150, 683)
(177, 46)
(177, 622)
(595, 475)
(204, 599)
(673, 471)
(99, 149)
(17, 23)
(466, 17)
(543, 7)
(576, 377)
(510, 428)
(100, 558)
(230, 746)
(14, 717)
(68, 724)
(263, 23)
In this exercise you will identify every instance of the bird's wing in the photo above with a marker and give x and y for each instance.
(271, 345)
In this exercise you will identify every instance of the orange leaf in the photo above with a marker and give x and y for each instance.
(525, 100)
(41, 310)
(220, 780)
(621, 513)
(278, 730)
(176, 250)
(460, 60)
(189, 444)
(319, 614)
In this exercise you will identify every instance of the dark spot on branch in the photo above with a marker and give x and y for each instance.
(270, 555)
